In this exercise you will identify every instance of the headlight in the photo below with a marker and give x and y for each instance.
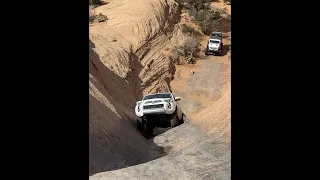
(169, 103)
(139, 108)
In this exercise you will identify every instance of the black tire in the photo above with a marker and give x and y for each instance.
(181, 121)
(206, 52)
(140, 126)
(174, 121)
(149, 129)
(219, 52)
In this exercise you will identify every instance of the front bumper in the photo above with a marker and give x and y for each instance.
(213, 50)
(154, 111)
(160, 120)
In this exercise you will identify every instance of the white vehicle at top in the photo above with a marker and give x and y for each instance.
(158, 110)
(215, 44)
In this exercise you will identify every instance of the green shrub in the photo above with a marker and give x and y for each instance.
(191, 46)
(206, 17)
(188, 50)
(175, 56)
(97, 18)
(208, 20)
(190, 31)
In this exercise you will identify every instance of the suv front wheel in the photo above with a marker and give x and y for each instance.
(174, 121)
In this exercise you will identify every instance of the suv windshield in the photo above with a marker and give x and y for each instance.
(153, 96)
(213, 41)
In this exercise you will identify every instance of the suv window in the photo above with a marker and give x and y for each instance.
(213, 41)
(153, 96)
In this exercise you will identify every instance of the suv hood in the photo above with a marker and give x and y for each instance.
(213, 45)
(157, 100)
(153, 101)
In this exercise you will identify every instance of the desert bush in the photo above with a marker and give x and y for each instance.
(196, 4)
(95, 2)
(190, 31)
(175, 56)
(208, 20)
(205, 16)
(189, 49)
(97, 18)
(191, 46)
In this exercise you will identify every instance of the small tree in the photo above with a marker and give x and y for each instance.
(208, 20)
(191, 45)
(191, 48)
(188, 50)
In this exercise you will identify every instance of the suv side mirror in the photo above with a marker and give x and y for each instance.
(177, 98)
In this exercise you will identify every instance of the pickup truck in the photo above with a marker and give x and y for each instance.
(158, 110)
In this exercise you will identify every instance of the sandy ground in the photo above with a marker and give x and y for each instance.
(202, 88)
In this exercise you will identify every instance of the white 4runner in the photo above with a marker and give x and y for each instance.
(158, 110)
(215, 44)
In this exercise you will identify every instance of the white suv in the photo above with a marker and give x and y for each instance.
(215, 44)
(158, 110)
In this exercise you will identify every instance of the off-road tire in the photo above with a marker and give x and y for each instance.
(174, 121)
(181, 121)
(140, 126)
(206, 52)
(149, 129)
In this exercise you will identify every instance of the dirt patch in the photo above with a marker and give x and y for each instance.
(200, 90)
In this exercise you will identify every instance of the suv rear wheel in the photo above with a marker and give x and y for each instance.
(206, 51)
(181, 121)
(140, 126)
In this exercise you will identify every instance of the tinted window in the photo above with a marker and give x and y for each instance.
(213, 41)
(153, 96)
